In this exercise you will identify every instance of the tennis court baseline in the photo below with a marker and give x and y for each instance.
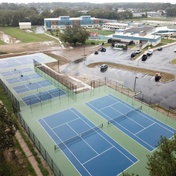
(143, 128)
(88, 148)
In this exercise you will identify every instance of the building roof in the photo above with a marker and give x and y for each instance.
(71, 18)
(118, 24)
(24, 23)
(138, 29)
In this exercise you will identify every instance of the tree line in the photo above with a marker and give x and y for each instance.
(11, 14)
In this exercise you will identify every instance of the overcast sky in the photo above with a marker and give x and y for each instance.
(92, 1)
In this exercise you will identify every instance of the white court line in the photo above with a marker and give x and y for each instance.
(126, 128)
(112, 144)
(65, 147)
(98, 155)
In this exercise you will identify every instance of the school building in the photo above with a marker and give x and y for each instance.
(62, 21)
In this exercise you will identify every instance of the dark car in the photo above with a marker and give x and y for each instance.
(103, 49)
(133, 54)
(103, 67)
(144, 57)
(160, 49)
(96, 52)
(157, 77)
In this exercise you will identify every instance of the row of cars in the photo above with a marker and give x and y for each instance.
(145, 55)
(102, 49)
(103, 67)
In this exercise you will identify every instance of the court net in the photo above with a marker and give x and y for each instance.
(125, 115)
(78, 137)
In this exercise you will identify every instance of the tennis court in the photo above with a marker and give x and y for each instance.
(141, 127)
(21, 60)
(20, 76)
(31, 86)
(94, 132)
(42, 96)
(15, 71)
(90, 150)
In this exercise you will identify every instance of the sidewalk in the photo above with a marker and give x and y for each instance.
(28, 154)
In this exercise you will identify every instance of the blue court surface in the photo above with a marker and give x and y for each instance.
(15, 72)
(88, 148)
(141, 127)
(22, 78)
(21, 61)
(42, 96)
(31, 86)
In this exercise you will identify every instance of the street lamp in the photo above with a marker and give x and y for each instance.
(138, 62)
(135, 84)
(84, 50)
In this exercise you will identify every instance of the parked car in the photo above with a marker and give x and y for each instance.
(138, 51)
(96, 52)
(131, 42)
(157, 77)
(133, 54)
(103, 49)
(103, 67)
(160, 49)
(149, 52)
(144, 57)
(175, 50)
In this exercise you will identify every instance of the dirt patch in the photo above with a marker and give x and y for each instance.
(77, 52)
(27, 48)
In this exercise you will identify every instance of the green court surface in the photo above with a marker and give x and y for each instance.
(32, 115)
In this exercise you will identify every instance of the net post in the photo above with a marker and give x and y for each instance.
(56, 148)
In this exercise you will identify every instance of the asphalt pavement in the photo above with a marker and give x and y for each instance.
(164, 93)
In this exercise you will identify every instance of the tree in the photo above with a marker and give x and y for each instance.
(7, 130)
(163, 161)
(59, 12)
(74, 35)
(171, 11)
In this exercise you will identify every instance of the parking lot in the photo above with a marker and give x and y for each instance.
(163, 93)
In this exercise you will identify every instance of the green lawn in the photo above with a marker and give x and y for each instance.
(165, 41)
(151, 19)
(101, 32)
(1, 42)
(173, 61)
(24, 36)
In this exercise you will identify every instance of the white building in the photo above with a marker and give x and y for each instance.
(25, 25)
(114, 26)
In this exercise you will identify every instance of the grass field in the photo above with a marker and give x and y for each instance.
(1, 42)
(152, 19)
(101, 32)
(173, 61)
(24, 36)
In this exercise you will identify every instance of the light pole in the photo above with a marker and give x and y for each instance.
(138, 62)
(135, 84)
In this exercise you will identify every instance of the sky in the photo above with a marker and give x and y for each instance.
(91, 1)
